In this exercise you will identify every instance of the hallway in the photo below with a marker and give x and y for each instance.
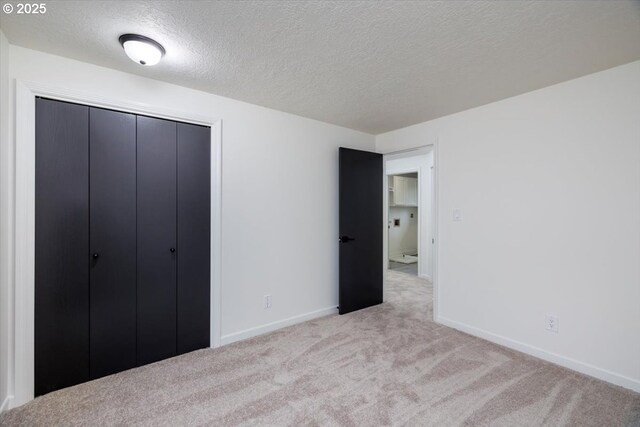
(404, 268)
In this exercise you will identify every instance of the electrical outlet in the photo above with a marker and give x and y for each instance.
(267, 301)
(552, 323)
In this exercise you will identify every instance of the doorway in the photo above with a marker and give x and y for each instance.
(408, 189)
(402, 223)
(365, 278)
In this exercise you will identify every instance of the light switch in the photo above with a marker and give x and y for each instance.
(457, 214)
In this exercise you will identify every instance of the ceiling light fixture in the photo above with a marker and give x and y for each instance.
(141, 49)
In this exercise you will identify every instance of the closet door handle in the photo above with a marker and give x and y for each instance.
(95, 255)
(172, 250)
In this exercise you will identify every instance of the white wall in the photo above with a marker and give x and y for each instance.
(403, 238)
(549, 186)
(6, 237)
(279, 191)
(419, 161)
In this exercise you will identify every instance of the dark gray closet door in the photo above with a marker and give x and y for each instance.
(113, 241)
(156, 239)
(62, 245)
(194, 236)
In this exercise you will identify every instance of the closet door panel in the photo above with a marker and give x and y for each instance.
(61, 245)
(156, 239)
(113, 241)
(194, 236)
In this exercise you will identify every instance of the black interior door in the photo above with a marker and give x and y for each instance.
(113, 241)
(61, 245)
(157, 249)
(194, 236)
(361, 229)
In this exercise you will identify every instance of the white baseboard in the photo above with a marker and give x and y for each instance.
(6, 404)
(269, 327)
(576, 365)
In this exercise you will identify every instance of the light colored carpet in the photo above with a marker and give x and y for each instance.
(386, 365)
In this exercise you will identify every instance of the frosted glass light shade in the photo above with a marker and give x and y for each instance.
(142, 50)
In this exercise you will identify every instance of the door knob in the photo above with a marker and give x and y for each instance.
(345, 239)
(172, 250)
(95, 255)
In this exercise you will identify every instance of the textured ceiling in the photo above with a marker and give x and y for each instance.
(371, 66)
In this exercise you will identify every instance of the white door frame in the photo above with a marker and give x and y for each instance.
(435, 185)
(24, 214)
